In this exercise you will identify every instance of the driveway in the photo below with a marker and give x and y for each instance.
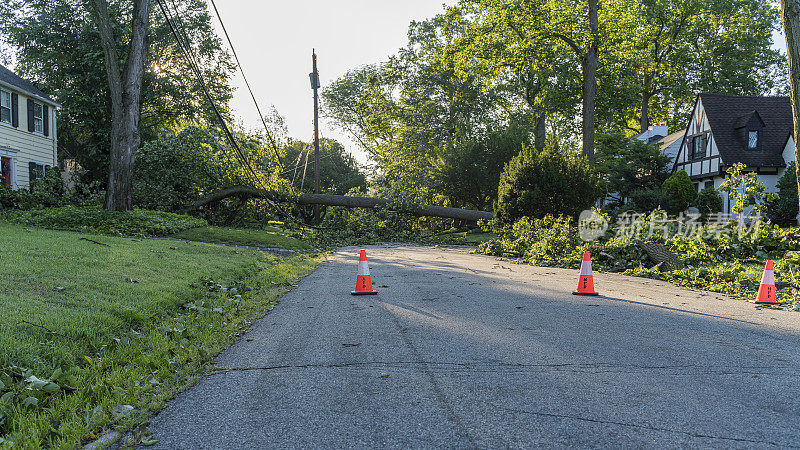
(461, 350)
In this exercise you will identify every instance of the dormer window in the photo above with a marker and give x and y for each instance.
(752, 142)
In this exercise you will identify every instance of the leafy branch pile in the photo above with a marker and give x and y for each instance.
(723, 258)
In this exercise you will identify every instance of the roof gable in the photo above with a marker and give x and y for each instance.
(14, 81)
(731, 116)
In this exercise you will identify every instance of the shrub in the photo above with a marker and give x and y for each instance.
(783, 209)
(708, 202)
(548, 182)
(44, 192)
(48, 190)
(644, 200)
(680, 191)
(96, 220)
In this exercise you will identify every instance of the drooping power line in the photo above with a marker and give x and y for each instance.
(247, 83)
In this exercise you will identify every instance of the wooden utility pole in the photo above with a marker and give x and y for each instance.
(314, 75)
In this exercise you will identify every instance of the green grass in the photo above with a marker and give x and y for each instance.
(267, 237)
(131, 323)
(477, 236)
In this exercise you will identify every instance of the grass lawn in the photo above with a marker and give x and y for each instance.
(478, 236)
(267, 237)
(89, 331)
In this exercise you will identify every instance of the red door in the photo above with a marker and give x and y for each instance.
(5, 170)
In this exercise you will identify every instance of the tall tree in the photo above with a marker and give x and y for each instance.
(790, 13)
(415, 108)
(56, 44)
(671, 50)
(500, 53)
(125, 88)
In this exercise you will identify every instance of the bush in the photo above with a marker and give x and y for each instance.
(680, 191)
(48, 190)
(99, 221)
(45, 192)
(783, 210)
(549, 182)
(708, 202)
(644, 200)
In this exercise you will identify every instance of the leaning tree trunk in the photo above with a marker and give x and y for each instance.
(247, 192)
(790, 13)
(125, 88)
(589, 69)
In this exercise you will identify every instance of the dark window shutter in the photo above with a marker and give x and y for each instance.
(15, 110)
(45, 120)
(31, 172)
(31, 127)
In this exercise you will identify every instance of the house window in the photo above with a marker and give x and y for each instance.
(752, 143)
(5, 106)
(38, 118)
(698, 147)
(708, 185)
(35, 171)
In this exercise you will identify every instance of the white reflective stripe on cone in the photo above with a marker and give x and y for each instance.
(586, 268)
(363, 268)
(768, 277)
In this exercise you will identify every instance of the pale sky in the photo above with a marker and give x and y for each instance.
(274, 42)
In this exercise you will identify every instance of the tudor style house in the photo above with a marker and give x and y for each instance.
(28, 144)
(727, 129)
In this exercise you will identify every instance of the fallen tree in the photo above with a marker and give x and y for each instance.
(246, 192)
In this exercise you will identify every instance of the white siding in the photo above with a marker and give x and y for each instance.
(23, 146)
(788, 151)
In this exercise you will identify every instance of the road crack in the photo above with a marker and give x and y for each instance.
(644, 427)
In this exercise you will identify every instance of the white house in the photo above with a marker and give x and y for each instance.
(726, 129)
(28, 144)
(669, 144)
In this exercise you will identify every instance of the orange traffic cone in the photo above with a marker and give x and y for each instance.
(585, 281)
(363, 280)
(766, 291)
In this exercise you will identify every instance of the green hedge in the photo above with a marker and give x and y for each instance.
(139, 222)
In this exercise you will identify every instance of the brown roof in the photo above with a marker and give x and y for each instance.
(727, 113)
(669, 140)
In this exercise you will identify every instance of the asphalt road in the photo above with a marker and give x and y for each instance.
(461, 350)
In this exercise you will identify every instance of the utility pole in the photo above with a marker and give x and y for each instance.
(314, 75)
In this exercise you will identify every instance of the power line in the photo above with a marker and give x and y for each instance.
(247, 83)
(188, 54)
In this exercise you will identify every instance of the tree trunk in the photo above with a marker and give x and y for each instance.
(245, 192)
(125, 88)
(790, 13)
(644, 120)
(540, 131)
(589, 69)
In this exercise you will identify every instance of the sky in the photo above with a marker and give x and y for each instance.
(274, 41)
